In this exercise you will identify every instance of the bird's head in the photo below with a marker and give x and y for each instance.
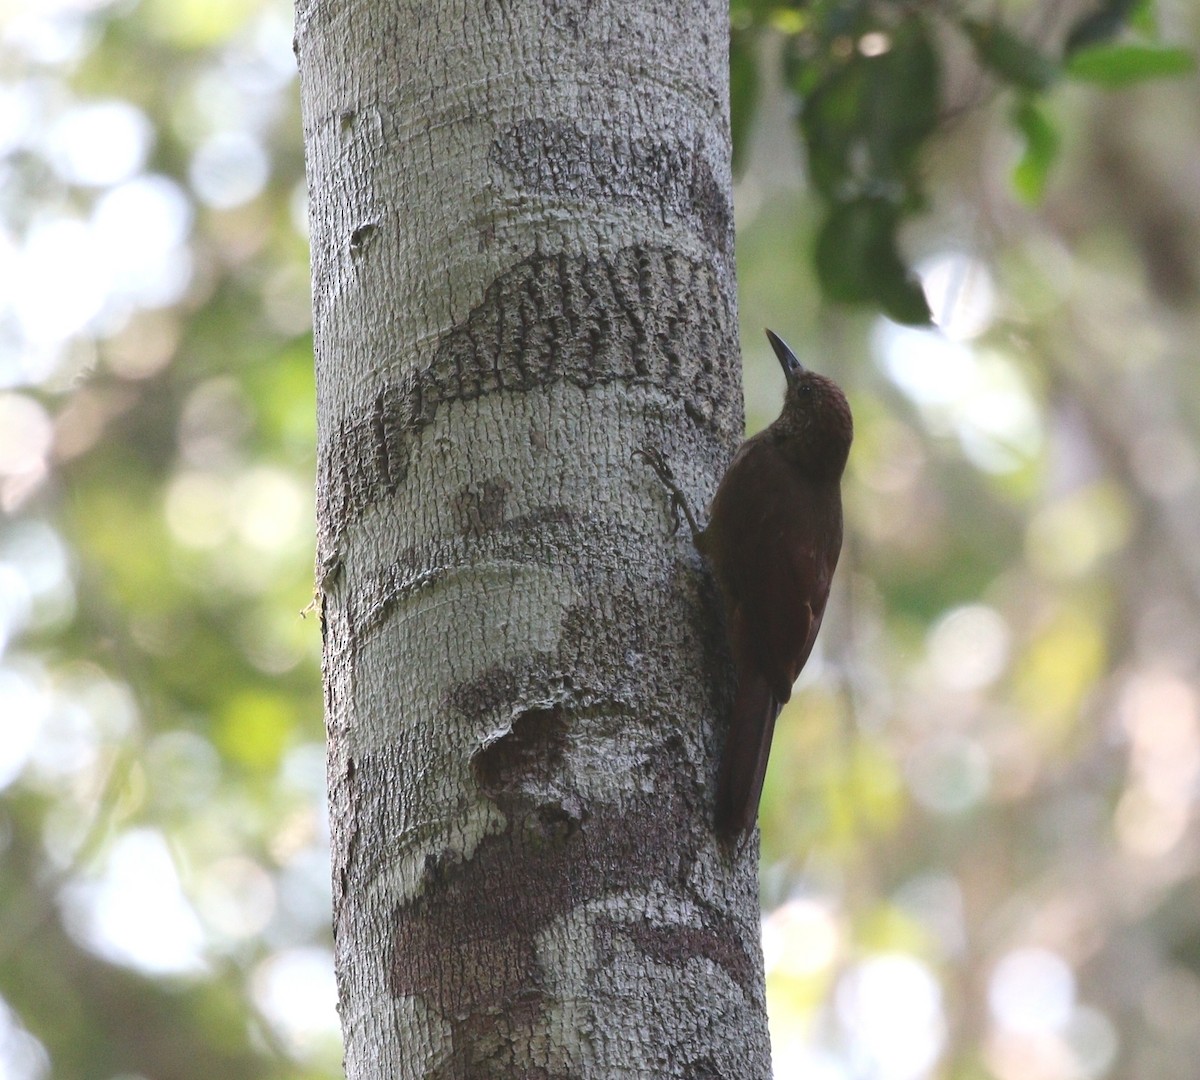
(815, 427)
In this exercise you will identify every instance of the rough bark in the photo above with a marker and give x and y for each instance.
(522, 270)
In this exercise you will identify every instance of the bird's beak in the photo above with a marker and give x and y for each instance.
(787, 359)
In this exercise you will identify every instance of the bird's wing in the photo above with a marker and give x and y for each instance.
(747, 746)
(778, 558)
(773, 539)
(788, 612)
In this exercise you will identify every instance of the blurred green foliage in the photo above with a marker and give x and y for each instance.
(868, 79)
(983, 793)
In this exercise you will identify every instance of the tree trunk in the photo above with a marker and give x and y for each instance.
(523, 269)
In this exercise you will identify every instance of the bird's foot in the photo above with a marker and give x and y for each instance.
(679, 503)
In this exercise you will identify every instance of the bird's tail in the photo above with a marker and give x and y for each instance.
(744, 763)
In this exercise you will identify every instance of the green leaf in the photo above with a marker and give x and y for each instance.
(255, 728)
(847, 244)
(865, 123)
(1012, 58)
(857, 261)
(1100, 25)
(865, 120)
(746, 13)
(1041, 151)
(904, 89)
(1120, 65)
(831, 122)
(1144, 19)
(788, 20)
(743, 93)
(901, 297)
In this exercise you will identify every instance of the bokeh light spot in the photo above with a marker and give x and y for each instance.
(141, 227)
(1031, 990)
(271, 512)
(230, 169)
(891, 1008)
(24, 706)
(136, 913)
(236, 897)
(60, 287)
(968, 647)
(800, 938)
(296, 991)
(1069, 537)
(960, 294)
(198, 510)
(978, 395)
(100, 143)
(22, 1056)
(949, 773)
(26, 434)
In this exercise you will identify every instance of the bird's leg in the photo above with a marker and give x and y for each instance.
(679, 503)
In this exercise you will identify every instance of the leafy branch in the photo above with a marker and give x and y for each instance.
(868, 77)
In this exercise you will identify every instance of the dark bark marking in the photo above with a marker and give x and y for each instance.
(379, 431)
(696, 414)
(533, 744)
(361, 237)
(548, 318)
(591, 643)
(482, 1047)
(480, 509)
(346, 851)
(677, 944)
(569, 16)
(493, 906)
(555, 855)
(667, 178)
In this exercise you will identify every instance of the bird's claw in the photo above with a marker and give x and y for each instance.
(658, 463)
(679, 506)
(679, 511)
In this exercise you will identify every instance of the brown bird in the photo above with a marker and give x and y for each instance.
(773, 536)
